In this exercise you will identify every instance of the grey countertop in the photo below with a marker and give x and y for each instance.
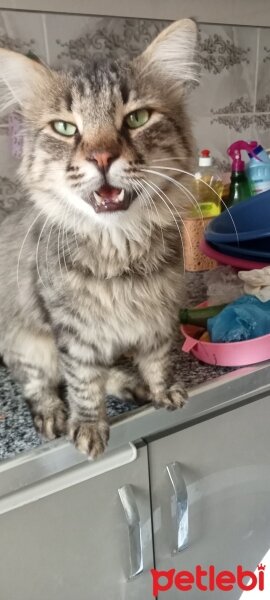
(17, 433)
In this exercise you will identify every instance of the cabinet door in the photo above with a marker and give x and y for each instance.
(224, 463)
(73, 542)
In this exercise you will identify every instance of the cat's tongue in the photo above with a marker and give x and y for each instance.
(108, 198)
(109, 193)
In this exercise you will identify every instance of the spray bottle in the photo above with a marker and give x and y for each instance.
(258, 169)
(239, 188)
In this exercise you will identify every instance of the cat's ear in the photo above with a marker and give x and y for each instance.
(172, 54)
(20, 78)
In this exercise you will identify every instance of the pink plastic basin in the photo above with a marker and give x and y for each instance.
(231, 354)
(225, 259)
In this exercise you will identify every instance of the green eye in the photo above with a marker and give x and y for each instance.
(64, 128)
(138, 118)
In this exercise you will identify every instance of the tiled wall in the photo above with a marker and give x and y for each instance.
(232, 101)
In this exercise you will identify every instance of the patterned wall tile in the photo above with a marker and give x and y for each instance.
(79, 38)
(262, 116)
(65, 30)
(263, 82)
(218, 135)
(228, 69)
(262, 129)
(8, 164)
(22, 32)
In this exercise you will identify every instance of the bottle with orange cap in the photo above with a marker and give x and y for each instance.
(208, 187)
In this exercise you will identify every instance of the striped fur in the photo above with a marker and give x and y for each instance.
(78, 289)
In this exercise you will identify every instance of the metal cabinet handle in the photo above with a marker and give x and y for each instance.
(130, 507)
(180, 490)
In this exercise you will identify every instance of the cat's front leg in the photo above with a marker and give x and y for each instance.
(88, 426)
(155, 369)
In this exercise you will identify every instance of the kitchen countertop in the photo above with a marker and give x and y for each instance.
(210, 388)
(17, 433)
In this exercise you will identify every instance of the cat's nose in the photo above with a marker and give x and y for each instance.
(103, 159)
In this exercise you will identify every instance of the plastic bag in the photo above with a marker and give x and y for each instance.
(244, 319)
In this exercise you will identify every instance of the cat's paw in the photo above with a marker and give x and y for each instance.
(89, 438)
(50, 418)
(172, 398)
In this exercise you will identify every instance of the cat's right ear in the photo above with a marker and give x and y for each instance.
(171, 57)
(20, 78)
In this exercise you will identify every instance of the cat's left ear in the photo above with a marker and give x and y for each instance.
(21, 78)
(172, 54)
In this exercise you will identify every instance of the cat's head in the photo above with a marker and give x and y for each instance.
(94, 137)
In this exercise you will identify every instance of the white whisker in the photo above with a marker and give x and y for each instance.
(37, 251)
(138, 191)
(170, 210)
(58, 249)
(185, 190)
(177, 212)
(152, 204)
(22, 246)
(47, 250)
(204, 182)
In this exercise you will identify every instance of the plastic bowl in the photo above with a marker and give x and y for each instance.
(225, 259)
(244, 221)
(251, 249)
(231, 354)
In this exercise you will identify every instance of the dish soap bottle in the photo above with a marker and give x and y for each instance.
(239, 187)
(208, 188)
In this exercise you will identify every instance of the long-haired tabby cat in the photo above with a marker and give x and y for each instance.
(91, 259)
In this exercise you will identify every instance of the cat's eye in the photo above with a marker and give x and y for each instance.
(138, 118)
(64, 128)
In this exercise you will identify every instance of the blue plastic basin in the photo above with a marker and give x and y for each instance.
(247, 220)
(250, 249)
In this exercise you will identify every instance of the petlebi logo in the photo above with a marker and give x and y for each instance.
(208, 579)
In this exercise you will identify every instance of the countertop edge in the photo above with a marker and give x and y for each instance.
(222, 393)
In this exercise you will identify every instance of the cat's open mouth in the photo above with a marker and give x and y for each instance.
(111, 199)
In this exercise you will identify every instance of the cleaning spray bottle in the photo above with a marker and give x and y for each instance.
(258, 169)
(239, 187)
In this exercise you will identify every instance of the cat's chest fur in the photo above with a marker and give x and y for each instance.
(121, 299)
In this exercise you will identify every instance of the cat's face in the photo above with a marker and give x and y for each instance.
(93, 136)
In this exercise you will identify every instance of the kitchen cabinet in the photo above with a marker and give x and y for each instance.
(220, 471)
(71, 528)
(61, 544)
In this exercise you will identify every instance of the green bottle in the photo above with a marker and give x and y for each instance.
(239, 187)
(199, 316)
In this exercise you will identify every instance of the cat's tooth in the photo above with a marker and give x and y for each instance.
(98, 199)
(120, 196)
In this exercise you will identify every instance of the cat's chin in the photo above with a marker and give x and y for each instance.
(109, 199)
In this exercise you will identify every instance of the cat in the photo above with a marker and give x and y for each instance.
(91, 260)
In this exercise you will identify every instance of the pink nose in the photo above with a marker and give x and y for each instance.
(103, 159)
